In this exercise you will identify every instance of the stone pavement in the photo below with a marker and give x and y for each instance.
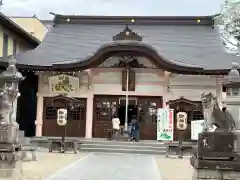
(100, 166)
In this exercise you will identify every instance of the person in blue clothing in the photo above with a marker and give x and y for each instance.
(134, 129)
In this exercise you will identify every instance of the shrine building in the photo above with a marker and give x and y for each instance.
(91, 64)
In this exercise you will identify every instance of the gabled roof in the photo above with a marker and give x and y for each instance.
(183, 100)
(183, 44)
(8, 23)
(27, 17)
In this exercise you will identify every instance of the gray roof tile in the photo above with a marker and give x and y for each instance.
(181, 44)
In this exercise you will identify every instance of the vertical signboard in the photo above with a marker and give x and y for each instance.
(165, 124)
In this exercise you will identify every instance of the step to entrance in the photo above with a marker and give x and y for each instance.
(103, 145)
(130, 151)
(106, 146)
(141, 143)
(123, 147)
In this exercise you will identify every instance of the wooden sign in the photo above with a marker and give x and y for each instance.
(63, 84)
(131, 80)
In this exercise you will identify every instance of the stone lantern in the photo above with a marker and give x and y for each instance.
(9, 129)
(232, 100)
(232, 81)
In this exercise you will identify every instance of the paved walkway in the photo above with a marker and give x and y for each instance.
(110, 167)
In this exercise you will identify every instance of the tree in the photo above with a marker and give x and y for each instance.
(228, 24)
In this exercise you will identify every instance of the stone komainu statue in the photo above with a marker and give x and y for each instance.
(7, 97)
(9, 92)
(213, 115)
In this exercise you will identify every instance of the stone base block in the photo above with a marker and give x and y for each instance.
(215, 164)
(205, 174)
(9, 156)
(24, 141)
(62, 147)
(7, 165)
(9, 133)
(15, 173)
(21, 133)
(8, 147)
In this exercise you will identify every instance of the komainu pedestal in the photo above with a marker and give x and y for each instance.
(9, 133)
(9, 151)
(216, 156)
(208, 174)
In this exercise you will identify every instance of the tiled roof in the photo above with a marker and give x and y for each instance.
(182, 43)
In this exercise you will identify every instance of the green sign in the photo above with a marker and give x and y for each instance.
(165, 124)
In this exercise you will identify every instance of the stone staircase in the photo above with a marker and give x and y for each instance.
(142, 147)
(105, 146)
(24, 141)
(28, 151)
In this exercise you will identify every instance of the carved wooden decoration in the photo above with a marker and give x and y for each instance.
(63, 97)
(124, 80)
(133, 63)
(188, 104)
(131, 80)
(127, 34)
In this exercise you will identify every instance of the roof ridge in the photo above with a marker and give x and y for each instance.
(108, 16)
(157, 20)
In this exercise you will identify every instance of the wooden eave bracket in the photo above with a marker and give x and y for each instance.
(90, 75)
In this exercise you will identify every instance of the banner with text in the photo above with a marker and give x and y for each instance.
(165, 124)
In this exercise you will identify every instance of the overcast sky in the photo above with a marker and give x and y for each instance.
(111, 7)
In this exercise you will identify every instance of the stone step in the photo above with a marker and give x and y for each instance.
(141, 147)
(21, 133)
(135, 146)
(123, 150)
(24, 141)
(106, 146)
(140, 143)
(45, 141)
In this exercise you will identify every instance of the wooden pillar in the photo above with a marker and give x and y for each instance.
(89, 114)
(89, 117)
(39, 118)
